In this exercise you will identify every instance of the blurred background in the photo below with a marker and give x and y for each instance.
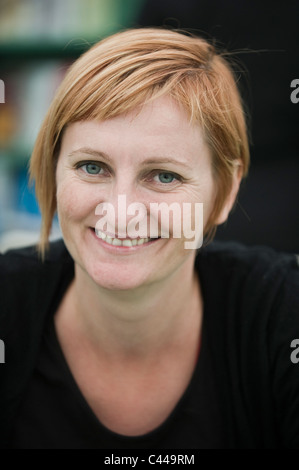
(39, 39)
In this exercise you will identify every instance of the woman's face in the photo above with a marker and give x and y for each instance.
(151, 155)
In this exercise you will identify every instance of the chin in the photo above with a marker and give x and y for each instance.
(118, 284)
(116, 277)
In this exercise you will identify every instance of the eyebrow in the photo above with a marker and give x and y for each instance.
(155, 161)
(90, 151)
(150, 161)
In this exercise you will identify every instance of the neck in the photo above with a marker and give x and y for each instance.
(138, 322)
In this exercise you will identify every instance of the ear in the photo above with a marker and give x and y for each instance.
(231, 198)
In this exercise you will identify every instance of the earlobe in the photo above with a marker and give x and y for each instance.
(231, 198)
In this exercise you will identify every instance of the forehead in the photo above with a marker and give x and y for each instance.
(158, 126)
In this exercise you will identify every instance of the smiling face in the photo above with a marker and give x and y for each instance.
(151, 156)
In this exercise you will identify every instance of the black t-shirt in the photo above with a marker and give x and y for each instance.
(55, 415)
(244, 392)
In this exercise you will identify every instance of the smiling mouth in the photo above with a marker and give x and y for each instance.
(128, 242)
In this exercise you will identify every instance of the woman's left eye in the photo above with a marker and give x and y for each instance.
(165, 177)
(91, 168)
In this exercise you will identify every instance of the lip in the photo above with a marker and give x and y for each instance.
(121, 249)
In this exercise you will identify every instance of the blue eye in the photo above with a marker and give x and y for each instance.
(166, 178)
(92, 168)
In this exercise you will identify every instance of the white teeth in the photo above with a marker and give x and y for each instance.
(118, 242)
(127, 243)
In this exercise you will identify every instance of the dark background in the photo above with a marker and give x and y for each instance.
(264, 36)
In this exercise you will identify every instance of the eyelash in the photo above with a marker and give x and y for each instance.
(149, 176)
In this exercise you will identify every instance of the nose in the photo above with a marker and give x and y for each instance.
(123, 185)
(123, 204)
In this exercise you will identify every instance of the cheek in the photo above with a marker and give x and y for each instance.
(207, 211)
(75, 201)
(208, 199)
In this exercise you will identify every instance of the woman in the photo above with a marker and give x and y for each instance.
(120, 339)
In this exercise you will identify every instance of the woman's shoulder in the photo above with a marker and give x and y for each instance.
(249, 281)
(27, 282)
(20, 261)
(251, 292)
(29, 290)
(235, 253)
(252, 320)
(250, 263)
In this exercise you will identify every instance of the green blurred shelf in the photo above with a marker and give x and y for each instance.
(44, 47)
(24, 50)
